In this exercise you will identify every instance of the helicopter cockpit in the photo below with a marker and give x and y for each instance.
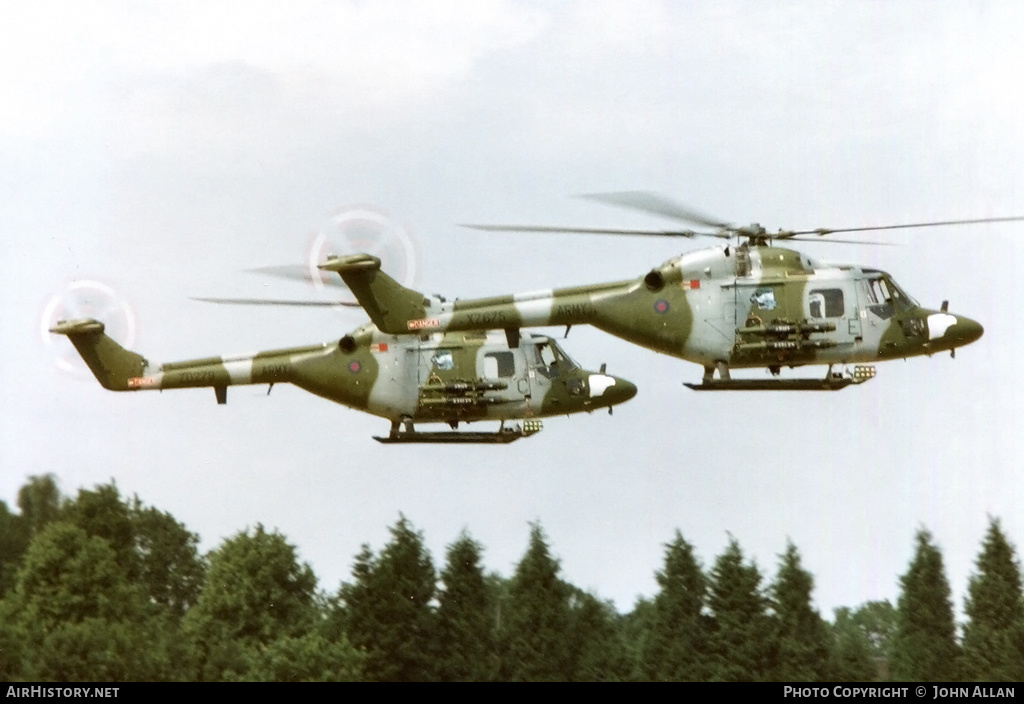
(550, 360)
(885, 298)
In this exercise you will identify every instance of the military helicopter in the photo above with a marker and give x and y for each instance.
(451, 377)
(743, 304)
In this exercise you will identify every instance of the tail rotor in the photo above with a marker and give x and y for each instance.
(83, 299)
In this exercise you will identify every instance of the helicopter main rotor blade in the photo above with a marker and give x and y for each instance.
(836, 241)
(298, 272)
(827, 231)
(590, 230)
(657, 204)
(274, 302)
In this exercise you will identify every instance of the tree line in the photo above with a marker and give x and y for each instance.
(102, 587)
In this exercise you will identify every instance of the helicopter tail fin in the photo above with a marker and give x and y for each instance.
(393, 308)
(111, 364)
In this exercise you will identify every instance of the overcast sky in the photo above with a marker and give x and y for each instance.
(162, 149)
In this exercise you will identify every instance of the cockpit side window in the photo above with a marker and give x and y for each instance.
(551, 360)
(901, 300)
(565, 362)
(546, 354)
(547, 362)
(879, 291)
(885, 292)
(881, 298)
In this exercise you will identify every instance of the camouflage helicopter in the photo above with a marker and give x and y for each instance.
(743, 304)
(430, 377)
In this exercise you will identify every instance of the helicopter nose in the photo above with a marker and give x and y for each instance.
(952, 331)
(618, 391)
(625, 389)
(964, 331)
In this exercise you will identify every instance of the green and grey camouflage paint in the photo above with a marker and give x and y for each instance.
(425, 377)
(722, 307)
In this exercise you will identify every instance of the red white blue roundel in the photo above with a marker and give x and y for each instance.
(661, 306)
(354, 366)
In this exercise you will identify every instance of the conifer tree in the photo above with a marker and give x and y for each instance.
(993, 643)
(598, 648)
(537, 618)
(466, 648)
(803, 637)
(924, 646)
(743, 645)
(636, 628)
(676, 648)
(388, 609)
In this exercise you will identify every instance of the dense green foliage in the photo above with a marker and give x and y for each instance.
(993, 643)
(678, 633)
(536, 618)
(850, 658)
(803, 637)
(862, 642)
(388, 609)
(79, 617)
(924, 646)
(257, 616)
(101, 587)
(743, 646)
(466, 623)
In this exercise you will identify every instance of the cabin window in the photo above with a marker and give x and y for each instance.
(499, 364)
(827, 303)
(443, 360)
(764, 298)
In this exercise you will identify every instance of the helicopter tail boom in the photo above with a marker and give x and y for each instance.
(397, 310)
(118, 369)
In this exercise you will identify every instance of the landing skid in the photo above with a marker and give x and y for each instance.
(502, 436)
(831, 382)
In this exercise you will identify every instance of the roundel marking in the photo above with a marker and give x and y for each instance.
(661, 306)
(354, 366)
